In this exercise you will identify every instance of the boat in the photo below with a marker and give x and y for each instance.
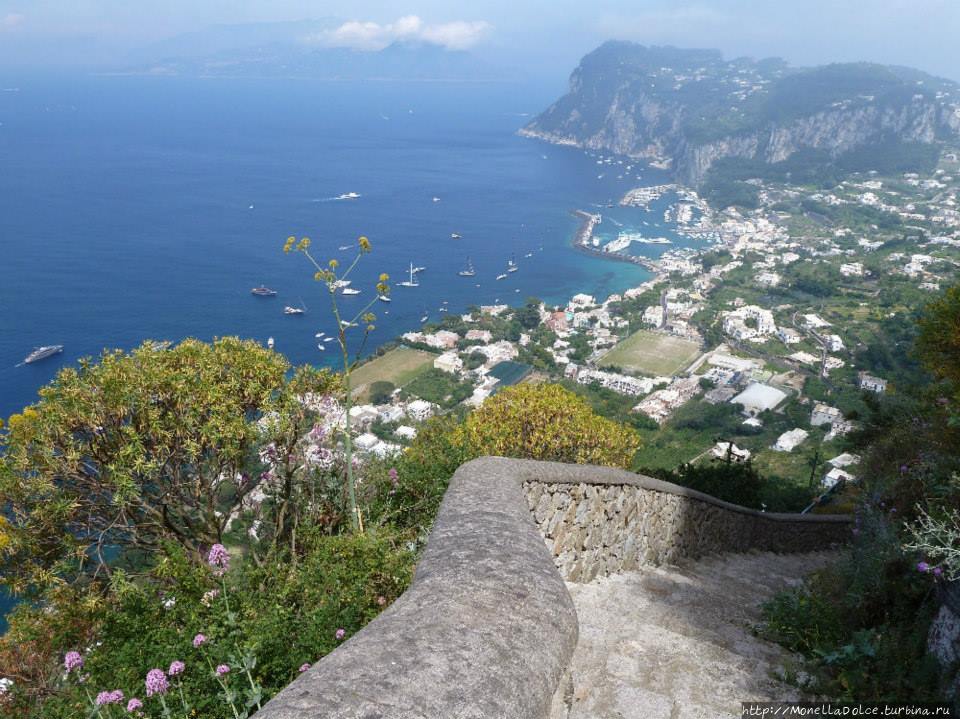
(412, 282)
(528, 255)
(436, 199)
(383, 298)
(288, 310)
(263, 291)
(350, 291)
(330, 339)
(455, 236)
(502, 277)
(343, 248)
(424, 318)
(270, 342)
(345, 324)
(340, 284)
(322, 347)
(319, 334)
(348, 196)
(468, 271)
(41, 353)
(443, 309)
(418, 270)
(512, 265)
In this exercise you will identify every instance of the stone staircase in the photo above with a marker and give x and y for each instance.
(675, 642)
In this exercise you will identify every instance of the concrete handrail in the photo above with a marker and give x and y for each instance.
(487, 628)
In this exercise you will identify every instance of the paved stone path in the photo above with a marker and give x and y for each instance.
(676, 642)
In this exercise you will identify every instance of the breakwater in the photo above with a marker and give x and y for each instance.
(584, 234)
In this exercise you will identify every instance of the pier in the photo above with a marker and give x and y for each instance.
(584, 234)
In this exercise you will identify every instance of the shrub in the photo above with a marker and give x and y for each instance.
(547, 422)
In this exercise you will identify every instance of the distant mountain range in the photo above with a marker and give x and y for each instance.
(692, 110)
(291, 49)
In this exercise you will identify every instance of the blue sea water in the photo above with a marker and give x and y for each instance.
(145, 207)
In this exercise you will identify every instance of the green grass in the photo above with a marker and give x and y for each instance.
(399, 366)
(652, 353)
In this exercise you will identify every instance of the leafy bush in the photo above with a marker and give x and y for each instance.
(264, 623)
(547, 422)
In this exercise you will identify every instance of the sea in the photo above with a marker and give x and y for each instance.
(135, 208)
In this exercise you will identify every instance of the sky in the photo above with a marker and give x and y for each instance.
(547, 36)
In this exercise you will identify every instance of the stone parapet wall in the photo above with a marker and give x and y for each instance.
(598, 529)
(487, 629)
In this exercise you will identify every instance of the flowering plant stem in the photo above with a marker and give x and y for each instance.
(333, 281)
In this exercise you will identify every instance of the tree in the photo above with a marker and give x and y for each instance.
(529, 315)
(381, 391)
(938, 343)
(547, 422)
(134, 451)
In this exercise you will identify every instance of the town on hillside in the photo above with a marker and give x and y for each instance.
(764, 344)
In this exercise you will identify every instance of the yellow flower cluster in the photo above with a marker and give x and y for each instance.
(364, 243)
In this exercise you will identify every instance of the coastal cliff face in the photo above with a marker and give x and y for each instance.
(691, 108)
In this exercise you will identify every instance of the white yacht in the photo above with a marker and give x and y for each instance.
(41, 353)
(350, 291)
(502, 276)
(288, 310)
(412, 282)
(270, 342)
(383, 298)
(512, 265)
(468, 271)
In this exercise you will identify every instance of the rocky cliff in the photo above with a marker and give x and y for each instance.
(692, 108)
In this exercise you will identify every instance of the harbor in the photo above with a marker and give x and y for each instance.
(583, 242)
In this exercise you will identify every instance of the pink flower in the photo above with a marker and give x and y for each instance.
(134, 704)
(222, 669)
(114, 697)
(156, 682)
(381, 601)
(72, 661)
(304, 667)
(937, 571)
(923, 567)
(219, 558)
(341, 633)
(176, 667)
(199, 640)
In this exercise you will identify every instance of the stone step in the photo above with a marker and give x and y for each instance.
(676, 642)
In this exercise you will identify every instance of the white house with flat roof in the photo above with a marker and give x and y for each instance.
(789, 441)
(759, 398)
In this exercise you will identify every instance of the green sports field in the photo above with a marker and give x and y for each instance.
(399, 366)
(652, 353)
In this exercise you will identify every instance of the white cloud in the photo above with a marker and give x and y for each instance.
(10, 21)
(457, 35)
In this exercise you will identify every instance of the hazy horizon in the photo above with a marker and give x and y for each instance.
(545, 39)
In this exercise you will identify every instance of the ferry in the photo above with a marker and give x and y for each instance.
(412, 282)
(41, 353)
(468, 271)
(263, 291)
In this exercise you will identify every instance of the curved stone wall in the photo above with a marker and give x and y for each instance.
(487, 628)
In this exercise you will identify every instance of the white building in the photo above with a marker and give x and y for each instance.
(391, 413)
(834, 342)
(419, 410)
(836, 475)
(448, 362)
(851, 269)
(824, 414)
(722, 450)
(871, 383)
(788, 441)
(759, 398)
(789, 336)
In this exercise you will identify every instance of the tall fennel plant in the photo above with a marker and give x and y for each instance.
(334, 281)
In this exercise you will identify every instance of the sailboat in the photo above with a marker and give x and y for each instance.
(512, 265)
(412, 282)
(468, 271)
